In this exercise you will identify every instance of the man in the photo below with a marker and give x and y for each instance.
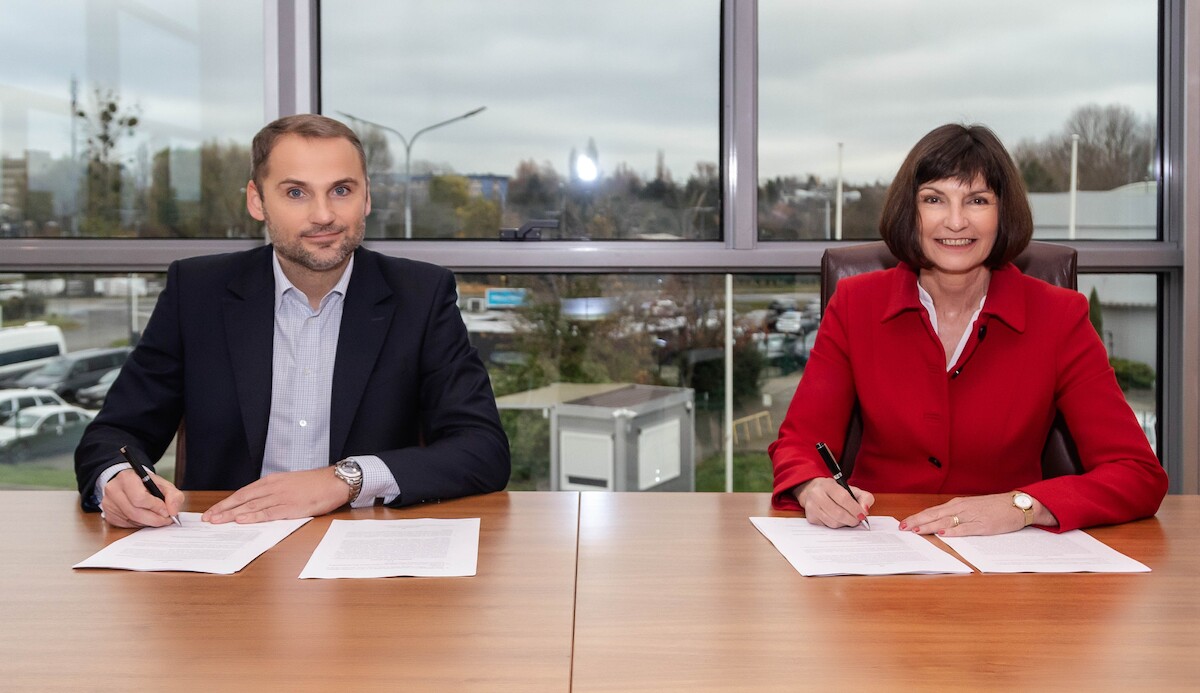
(308, 373)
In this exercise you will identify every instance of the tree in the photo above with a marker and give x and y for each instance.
(1095, 315)
(376, 150)
(450, 191)
(479, 218)
(104, 128)
(164, 209)
(1115, 148)
(224, 171)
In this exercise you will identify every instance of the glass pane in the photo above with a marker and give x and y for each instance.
(846, 89)
(612, 381)
(51, 324)
(1128, 324)
(599, 119)
(128, 119)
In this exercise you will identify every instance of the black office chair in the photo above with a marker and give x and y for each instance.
(1054, 264)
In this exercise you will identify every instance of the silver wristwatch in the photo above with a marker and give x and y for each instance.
(350, 472)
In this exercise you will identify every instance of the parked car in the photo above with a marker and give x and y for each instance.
(49, 429)
(14, 400)
(92, 397)
(789, 322)
(27, 347)
(69, 372)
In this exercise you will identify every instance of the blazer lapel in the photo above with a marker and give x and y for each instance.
(366, 318)
(249, 312)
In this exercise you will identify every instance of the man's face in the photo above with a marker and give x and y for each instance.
(314, 200)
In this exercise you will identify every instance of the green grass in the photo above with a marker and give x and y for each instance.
(751, 472)
(35, 476)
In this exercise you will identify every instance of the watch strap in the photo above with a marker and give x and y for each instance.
(1028, 512)
(353, 482)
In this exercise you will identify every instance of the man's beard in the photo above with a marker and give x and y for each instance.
(295, 251)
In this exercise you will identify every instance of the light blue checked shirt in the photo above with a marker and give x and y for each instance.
(302, 385)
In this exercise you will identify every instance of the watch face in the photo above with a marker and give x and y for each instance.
(350, 468)
(1023, 501)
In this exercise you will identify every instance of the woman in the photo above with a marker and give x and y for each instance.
(958, 363)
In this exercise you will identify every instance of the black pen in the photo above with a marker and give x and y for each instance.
(836, 470)
(147, 481)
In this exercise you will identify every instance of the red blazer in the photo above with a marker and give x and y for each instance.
(979, 428)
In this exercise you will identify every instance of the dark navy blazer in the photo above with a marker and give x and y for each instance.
(407, 385)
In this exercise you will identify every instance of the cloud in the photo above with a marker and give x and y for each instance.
(638, 77)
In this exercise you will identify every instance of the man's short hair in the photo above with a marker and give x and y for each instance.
(964, 153)
(308, 125)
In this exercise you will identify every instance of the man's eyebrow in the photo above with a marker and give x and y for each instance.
(294, 182)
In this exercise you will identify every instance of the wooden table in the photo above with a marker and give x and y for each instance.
(508, 628)
(671, 592)
(679, 592)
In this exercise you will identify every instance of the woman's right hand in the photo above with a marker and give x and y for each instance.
(826, 503)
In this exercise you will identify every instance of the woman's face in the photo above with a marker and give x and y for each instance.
(958, 223)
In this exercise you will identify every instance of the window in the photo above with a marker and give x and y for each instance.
(600, 120)
(93, 311)
(554, 77)
(847, 88)
(128, 119)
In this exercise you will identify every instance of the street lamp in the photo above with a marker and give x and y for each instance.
(408, 144)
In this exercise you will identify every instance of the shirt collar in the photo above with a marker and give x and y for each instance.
(283, 284)
(1005, 296)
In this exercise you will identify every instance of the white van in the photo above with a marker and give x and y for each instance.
(26, 347)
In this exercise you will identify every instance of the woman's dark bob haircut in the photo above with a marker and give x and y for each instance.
(964, 153)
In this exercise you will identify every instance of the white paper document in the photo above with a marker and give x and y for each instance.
(882, 550)
(1033, 550)
(194, 546)
(395, 548)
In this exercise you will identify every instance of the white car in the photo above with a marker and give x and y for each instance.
(15, 399)
(42, 431)
(790, 322)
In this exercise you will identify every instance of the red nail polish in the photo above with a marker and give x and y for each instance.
(903, 525)
(941, 532)
(861, 517)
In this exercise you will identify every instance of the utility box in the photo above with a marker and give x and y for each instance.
(636, 438)
(616, 436)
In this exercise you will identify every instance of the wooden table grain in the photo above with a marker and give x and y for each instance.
(507, 629)
(679, 592)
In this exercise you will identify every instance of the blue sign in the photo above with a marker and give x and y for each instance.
(505, 298)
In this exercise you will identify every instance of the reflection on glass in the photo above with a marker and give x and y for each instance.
(845, 89)
(1124, 311)
(550, 340)
(602, 118)
(67, 336)
(553, 343)
(128, 119)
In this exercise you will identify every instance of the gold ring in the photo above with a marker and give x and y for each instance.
(955, 518)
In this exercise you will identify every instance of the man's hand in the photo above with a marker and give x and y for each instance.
(127, 503)
(826, 503)
(284, 496)
(977, 515)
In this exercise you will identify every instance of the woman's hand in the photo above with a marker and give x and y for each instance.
(976, 515)
(826, 503)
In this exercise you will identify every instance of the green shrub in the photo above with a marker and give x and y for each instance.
(1132, 375)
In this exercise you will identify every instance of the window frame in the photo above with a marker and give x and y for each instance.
(292, 84)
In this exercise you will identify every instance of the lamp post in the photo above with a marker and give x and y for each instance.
(408, 145)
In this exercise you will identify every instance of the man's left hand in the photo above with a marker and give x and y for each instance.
(284, 496)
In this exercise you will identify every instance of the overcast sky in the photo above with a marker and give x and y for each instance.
(637, 76)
